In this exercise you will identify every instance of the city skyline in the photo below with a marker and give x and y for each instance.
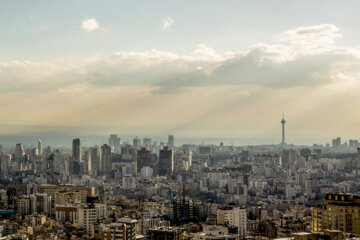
(179, 120)
(97, 75)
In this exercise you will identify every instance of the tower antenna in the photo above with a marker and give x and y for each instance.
(283, 129)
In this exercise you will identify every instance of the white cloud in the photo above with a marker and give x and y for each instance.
(90, 24)
(305, 69)
(306, 56)
(167, 22)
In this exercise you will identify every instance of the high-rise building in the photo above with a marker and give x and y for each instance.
(147, 142)
(340, 211)
(171, 141)
(23, 205)
(143, 158)
(127, 152)
(4, 165)
(288, 157)
(166, 161)
(39, 147)
(95, 163)
(76, 150)
(136, 143)
(88, 160)
(184, 209)
(184, 160)
(105, 159)
(114, 142)
(336, 142)
(43, 202)
(19, 153)
(86, 218)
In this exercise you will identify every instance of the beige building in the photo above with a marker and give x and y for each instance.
(83, 191)
(66, 213)
(234, 216)
(340, 211)
(67, 197)
(123, 229)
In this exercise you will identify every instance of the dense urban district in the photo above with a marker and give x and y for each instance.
(151, 190)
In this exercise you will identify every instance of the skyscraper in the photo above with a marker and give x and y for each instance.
(166, 161)
(283, 130)
(19, 153)
(95, 165)
(143, 158)
(88, 160)
(114, 142)
(147, 142)
(137, 143)
(39, 147)
(76, 149)
(171, 141)
(105, 159)
(288, 157)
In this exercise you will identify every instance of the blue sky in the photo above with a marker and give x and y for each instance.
(194, 68)
(47, 30)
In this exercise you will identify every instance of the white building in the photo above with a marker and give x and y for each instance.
(233, 216)
(87, 217)
(101, 210)
(146, 172)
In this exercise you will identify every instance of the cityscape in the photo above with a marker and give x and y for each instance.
(179, 120)
(149, 190)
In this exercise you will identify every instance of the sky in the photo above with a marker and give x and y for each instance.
(205, 68)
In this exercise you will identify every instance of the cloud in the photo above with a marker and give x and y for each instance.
(305, 56)
(167, 22)
(305, 71)
(90, 24)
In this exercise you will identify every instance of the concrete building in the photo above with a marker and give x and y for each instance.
(123, 229)
(234, 216)
(86, 218)
(288, 157)
(171, 141)
(166, 161)
(105, 159)
(39, 148)
(19, 153)
(146, 142)
(95, 163)
(67, 197)
(136, 143)
(184, 160)
(143, 158)
(114, 142)
(52, 189)
(76, 150)
(66, 213)
(340, 211)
